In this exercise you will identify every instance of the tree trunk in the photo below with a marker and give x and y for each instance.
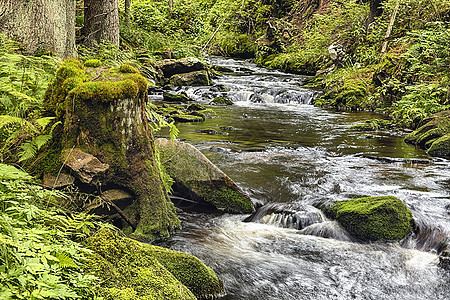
(101, 22)
(40, 25)
(376, 10)
(127, 11)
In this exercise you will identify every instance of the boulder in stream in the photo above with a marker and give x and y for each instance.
(373, 218)
(197, 178)
(129, 269)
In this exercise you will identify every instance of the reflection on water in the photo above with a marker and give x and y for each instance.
(297, 154)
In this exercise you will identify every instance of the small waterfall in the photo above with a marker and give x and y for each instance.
(329, 229)
(287, 215)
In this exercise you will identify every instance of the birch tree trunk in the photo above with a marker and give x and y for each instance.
(40, 25)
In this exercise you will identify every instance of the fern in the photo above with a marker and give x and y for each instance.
(65, 261)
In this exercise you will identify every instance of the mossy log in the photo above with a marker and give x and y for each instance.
(133, 270)
(103, 111)
(373, 218)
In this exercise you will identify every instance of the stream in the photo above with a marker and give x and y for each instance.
(289, 155)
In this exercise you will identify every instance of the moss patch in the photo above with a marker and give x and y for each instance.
(221, 101)
(373, 218)
(372, 125)
(133, 270)
(92, 63)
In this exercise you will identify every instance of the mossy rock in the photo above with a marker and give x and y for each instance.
(169, 97)
(440, 146)
(196, 177)
(373, 218)
(372, 125)
(182, 118)
(433, 134)
(196, 78)
(92, 63)
(221, 101)
(195, 107)
(129, 269)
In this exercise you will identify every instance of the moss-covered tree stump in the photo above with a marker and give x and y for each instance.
(133, 270)
(373, 218)
(103, 111)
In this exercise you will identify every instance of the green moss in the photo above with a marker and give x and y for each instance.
(373, 218)
(175, 97)
(195, 107)
(226, 199)
(433, 131)
(105, 91)
(133, 270)
(126, 68)
(372, 125)
(69, 74)
(92, 63)
(221, 101)
(440, 146)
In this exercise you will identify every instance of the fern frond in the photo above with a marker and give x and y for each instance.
(43, 122)
(65, 261)
(8, 120)
(7, 89)
(29, 150)
(12, 173)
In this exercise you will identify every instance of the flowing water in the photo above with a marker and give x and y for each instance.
(290, 155)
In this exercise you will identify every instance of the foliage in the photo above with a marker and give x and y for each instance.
(41, 257)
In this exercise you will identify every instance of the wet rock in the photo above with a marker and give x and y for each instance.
(129, 269)
(221, 101)
(182, 118)
(337, 54)
(196, 78)
(373, 218)
(434, 135)
(211, 131)
(195, 107)
(444, 260)
(197, 178)
(60, 181)
(219, 88)
(178, 98)
(85, 166)
(170, 67)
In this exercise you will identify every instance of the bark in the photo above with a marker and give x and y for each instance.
(376, 10)
(101, 22)
(127, 11)
(40, 25)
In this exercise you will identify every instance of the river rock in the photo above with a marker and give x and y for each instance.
(433, 135)
(170, 97)
(62, 180)
(100, 205)
(85, 166)
(197, 178)
(196, 78)
(373, 218)
(170, 67)
(129, 269)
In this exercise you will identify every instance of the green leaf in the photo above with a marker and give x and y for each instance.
(12, 173)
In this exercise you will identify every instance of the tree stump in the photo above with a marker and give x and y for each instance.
(103, 111)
